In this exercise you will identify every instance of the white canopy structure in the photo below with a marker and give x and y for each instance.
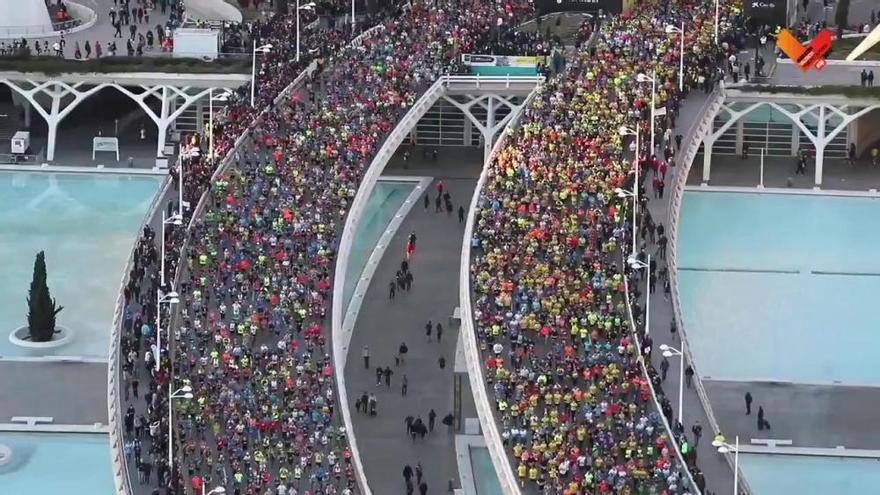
(212, 10)
(23, 17)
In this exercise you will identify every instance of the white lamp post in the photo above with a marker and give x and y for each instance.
(223, 96)
(716, 22)
(307, 6)
(170, 298)
(724, 448)
(184, 392)
(629, 131)
(216, 491)
(623, 194)
(257, 49)
(673, 29)
(653, 79)
(352, 17)
(635, 264)
(669, 351)
(173, 219)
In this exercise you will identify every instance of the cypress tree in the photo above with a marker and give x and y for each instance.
(41, 306)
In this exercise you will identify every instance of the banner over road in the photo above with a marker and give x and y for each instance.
(606, 6)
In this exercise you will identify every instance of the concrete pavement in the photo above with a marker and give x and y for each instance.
(730, 170)
(383, 324)
(70, 393)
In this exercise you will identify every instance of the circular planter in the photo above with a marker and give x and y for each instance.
(5, 455)
(20, 337)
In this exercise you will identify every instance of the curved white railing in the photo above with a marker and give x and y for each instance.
(118, 462)
(701, 127)
(341, 336)
(494, 444)
(82, 17)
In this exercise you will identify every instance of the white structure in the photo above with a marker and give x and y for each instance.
(24, 17)
(196, 43)
(832, 115)
(469, 92)
(54, 97)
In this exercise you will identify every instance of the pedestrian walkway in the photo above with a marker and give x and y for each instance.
(717, 472)
(384, 324)
(69, 393)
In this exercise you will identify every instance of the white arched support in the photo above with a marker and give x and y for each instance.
(57, 91)
(167, 96)
(710, 137)
(491, 103)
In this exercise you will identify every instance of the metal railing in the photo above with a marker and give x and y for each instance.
(701, 127)
(492, 82)
(81, 15)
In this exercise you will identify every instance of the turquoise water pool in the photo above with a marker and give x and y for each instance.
(485, 476)
(87, 225)
(54, 463)
(778, 286)
(387, 197)
(807, 475)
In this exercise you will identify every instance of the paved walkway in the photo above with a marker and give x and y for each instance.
(718, 474)
(383, 324)
(728, 170)
(70, 393)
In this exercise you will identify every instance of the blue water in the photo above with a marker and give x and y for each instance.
(54, 463)
(87, 225)
(485, 476)
(806, 475)
(387, 197)
(801, 326)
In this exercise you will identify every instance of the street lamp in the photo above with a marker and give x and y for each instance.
(216, 491)
(173, 219)
(673, 29)
(629, 131)
(653, 79)
(669, 351)
(623, 194)
(716, 22)
(726, 448)
(307, 6)
(636, 264)
(257, 49)
(222, 97)
(184, 392)
(170, 298)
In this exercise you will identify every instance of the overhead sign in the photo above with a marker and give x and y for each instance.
(499, 60)
(606, 6)
(770, 12)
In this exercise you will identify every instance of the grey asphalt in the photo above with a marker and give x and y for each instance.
(383, 324)
(71, 393)
(809, 415)
(718, 473)
(832, 75)
(730, 170)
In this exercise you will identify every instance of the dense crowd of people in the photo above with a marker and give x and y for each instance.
(549, 237)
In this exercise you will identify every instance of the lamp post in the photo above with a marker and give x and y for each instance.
(761, 184)
(716, 22)
(352, 17)
(216, 491)
(223, 96)
(669, 351)
(673, 29)
(169, 298)
(307, 6)
(184, 392)
(725, 448)
(257, 49)
(653, 79)
(173, 219)
(636, 264)
(623, 194)
(629, 131)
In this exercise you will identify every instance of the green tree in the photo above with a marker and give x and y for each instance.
(41, 306)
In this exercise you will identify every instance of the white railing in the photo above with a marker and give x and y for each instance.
(494, 444)
(119, 464)
(700, 128)
(341, 336)
(492, 82)
(82, 17)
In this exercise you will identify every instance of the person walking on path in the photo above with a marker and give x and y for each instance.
(461, 214)
(379, 373)
(407, 473)
(388, 374)
(748, 403)
(689, 376)
(392, 289)
(664, 368)
(401, 353)
(366, 355)
(439, 331)
(432, 416)
(428, 327)
(403, 386)
(423, 488)
(427, 202)
(697, 430)
(760, 418)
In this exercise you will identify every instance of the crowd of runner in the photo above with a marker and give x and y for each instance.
(549, 237)
(251, 340)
